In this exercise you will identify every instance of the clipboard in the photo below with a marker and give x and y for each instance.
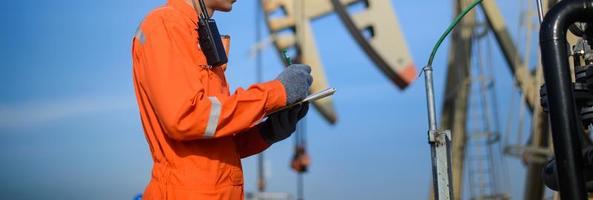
(313, 97)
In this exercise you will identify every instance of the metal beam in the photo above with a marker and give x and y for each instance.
(384, 42)
(517, 66)
(529, 85)
(534, 187)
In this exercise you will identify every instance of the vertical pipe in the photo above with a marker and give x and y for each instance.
(439, 145)
(563, 115)
(540, 11)
(300, 186)
(430, 102)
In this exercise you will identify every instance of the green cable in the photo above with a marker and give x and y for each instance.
(453, 24)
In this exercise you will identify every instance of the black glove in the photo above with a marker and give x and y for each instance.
(282, 124)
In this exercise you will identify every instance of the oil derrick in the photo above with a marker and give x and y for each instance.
(483, 158)
(457, 90)
(533, 149)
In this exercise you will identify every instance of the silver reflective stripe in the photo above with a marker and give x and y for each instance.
(215, 109)
(140, 36)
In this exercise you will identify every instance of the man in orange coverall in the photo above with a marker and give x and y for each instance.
(196, 130)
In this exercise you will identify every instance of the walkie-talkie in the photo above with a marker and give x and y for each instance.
(209, 38)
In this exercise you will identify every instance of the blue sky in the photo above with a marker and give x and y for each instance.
(69, 126)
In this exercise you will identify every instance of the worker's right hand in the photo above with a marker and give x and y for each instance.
(296, 80)
(282, 124)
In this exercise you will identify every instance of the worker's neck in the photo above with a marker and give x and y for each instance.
(198, 10)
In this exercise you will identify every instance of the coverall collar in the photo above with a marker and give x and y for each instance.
(185, 8)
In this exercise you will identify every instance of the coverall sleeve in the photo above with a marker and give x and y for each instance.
(176, 86)
(250, 142)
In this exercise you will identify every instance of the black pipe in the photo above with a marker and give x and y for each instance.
(563, 115)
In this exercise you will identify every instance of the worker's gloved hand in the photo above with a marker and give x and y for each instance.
(282, 124)
(296, 80)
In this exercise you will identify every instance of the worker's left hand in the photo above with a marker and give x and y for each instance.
(282, 124)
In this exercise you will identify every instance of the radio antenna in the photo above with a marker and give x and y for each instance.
(202, 6)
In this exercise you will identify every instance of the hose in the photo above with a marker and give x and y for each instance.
(450, 28)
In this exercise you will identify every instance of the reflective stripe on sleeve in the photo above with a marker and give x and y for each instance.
(215, 109)
(140, 36)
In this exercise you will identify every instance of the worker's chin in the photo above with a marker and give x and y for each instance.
(226, 9)
(227, 6)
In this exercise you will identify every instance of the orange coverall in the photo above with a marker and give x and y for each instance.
(197, 132)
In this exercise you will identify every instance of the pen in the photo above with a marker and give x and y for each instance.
(286, 57)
